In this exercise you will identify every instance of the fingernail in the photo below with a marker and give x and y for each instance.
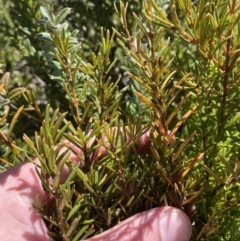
(174, 225)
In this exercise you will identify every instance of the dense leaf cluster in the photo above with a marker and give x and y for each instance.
(107, 78)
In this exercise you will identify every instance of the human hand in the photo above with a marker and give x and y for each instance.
(20, 185)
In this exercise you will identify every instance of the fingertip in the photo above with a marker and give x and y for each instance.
(174, 225)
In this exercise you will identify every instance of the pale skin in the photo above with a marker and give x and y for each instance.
(20, 185)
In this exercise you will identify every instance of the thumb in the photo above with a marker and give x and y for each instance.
(159, 224)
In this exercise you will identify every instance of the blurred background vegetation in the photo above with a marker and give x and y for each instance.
(204, 46)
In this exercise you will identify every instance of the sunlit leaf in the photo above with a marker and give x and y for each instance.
(60, 17)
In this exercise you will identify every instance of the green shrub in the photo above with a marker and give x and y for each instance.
(171, 68)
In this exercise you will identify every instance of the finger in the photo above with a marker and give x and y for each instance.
(19, 187)
(159, 224)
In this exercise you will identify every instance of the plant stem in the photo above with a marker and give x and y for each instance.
(226, 72)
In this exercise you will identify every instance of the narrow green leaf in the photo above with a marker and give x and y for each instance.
(14, 120)
(123, 10)
(56, 180)
(213, 174)
(129, 202)
(140, 25)
(233, 120)
(117, 202)
(46, 151)
(73, 210)
(102, 181)
(43, 181)
(72, 227)
(54, 127)
(111, 66)
(76, 70)
(61, 131)
(71, 127)
(64, 200)
(83, 231)
(228, 166)
(159, 11)
(138, 197)
(166, 81)
(175, 18)
(192, 162)
(184, 117)
(53, 118)
(176, 109)
(183, 145)
(109, 217)
(103, 41)
(18, 148)
(85, 180)
(65, 86)
(6, 162)
(86, 110)
(16, 92)
(159, 21)
(183, 6)
(71, 176)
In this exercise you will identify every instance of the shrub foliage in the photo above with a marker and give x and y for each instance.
(101, 76)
